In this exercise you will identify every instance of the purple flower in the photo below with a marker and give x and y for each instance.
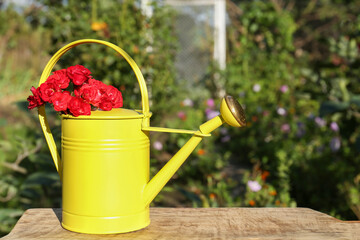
(335, 144)
(224, 131)
(301, 129)
(254, 186)
(284, 88)
(285, 128)
(256, 88)
(158, 145)
(211, 113)
(226, 138)
(281, 111)
(181, 115)
(188, 102)
(320, 122)
(334, 126)
(210, 103)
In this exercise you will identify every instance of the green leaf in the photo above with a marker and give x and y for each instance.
(355, 99)
(7, 213)
(30, 193)
(190, 195)
(8, 218)
(327, 108)
(42, 178)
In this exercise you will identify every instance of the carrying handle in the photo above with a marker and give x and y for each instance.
(47, 71)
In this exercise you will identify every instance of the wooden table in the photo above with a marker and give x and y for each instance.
(202, 223)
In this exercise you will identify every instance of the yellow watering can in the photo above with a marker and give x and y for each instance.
(104, 165)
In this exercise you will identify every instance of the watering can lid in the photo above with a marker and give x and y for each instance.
(115, 113)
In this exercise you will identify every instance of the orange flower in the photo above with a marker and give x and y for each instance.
(272, 193)
(98, 26)
(212, 196)
(277, 202)
(252, 203)
(264, 175)
(135, 49)
(201, 152)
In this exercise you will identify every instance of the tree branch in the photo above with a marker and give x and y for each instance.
(15, 166)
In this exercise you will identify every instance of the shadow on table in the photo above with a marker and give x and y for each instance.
(58, 214)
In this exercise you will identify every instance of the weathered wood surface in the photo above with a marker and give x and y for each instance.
(202, 223)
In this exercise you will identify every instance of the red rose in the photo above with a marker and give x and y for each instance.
(78, 74)
(77, 91)
(60, 100)
(118, 101)
(59, 78)
(88, 92)
(91, 94)
(78, 107)
(98, 84)
(114, 96)
(105, 104)
(46, 90)
(35, 100)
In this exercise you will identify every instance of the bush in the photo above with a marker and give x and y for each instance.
(302, 104)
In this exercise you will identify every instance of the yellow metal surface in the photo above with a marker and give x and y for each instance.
(116, 113)
(172, 130)
(211, 125)
(227, 115)
(105, 161)
(105, 168)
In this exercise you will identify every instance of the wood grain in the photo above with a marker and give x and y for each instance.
(202, 223)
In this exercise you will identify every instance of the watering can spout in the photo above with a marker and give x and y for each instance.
(231, 112)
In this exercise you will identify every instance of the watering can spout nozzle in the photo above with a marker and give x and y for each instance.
(232, 112)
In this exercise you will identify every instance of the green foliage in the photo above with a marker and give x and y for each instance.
(305, 137)
(21, 53)
(27, 174)
(125, 26)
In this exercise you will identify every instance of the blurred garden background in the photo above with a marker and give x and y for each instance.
(293, 65)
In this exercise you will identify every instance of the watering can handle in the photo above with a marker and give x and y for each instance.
(46, 73)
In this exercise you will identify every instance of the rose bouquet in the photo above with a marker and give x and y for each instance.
(74, 91)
